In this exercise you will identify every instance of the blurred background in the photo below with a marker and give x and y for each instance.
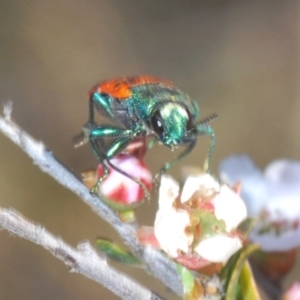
(240, 59)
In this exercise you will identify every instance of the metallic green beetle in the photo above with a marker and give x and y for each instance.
(144, 106)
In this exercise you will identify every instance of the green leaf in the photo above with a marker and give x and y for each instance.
(116, 253)
(192, 289)
(247, 287)
(237, 275)
(127, 216)
(119, 206)
(187, 279)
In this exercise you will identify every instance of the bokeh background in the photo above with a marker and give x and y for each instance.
(240, 59)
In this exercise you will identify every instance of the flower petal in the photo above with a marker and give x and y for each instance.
(229, 207)
(255, 188)
(284, 171)
(168, 192)
(170, 223)
(273, 197)
(203, 182)
(219, 248)
(170, 231)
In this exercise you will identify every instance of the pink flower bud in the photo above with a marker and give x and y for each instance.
(119, 188)
(292, 292)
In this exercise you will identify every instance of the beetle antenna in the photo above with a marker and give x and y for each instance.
(208, 119)
(143, 187)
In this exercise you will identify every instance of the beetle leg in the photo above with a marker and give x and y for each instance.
(84, 136)
(95, 98)
(122, 143)
(178, 158)
(124, 137)
(102, 101)
(137, 181)
(91, 109)
(200, 129)
(95, 136)
(203, 129)
(115, 148)
(98, 133)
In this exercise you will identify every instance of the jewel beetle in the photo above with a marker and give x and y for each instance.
(144, 106)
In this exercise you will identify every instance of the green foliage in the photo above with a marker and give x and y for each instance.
(187, 279)
(238, 278)
(116, 253)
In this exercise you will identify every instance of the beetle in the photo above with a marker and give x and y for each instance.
(144, 106)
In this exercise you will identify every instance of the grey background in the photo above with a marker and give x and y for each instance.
(237, 58)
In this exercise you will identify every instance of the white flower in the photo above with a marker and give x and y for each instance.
(196, 182)
(229, 207)
(272, 196)
(210, 248)
(170, 223)
(202, 201)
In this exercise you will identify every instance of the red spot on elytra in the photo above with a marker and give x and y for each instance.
(120, 88)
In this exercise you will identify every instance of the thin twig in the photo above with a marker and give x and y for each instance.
(84, 259)
(156, 263)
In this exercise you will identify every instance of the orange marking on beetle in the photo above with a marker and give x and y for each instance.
(120, 88)
(144, 79)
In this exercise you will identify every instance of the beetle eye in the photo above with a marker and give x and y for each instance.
(190, 122)
(156, 122)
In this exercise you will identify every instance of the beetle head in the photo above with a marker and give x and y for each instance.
(171, 122)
